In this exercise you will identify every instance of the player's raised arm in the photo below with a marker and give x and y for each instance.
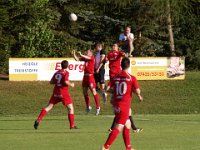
(88, 56)
(74, 55)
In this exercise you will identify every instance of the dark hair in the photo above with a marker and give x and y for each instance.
(99, 43)
(128, 26)
(64, 64)
(125, 63)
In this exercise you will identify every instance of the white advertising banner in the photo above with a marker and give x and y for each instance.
(143, 68)
(30, 69)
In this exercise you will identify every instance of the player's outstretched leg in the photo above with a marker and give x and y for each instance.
(40, 117)
(87, 101)
(96, 98)
(112, 136)
(42, 114)
(70, 108)
(133, 126)
(113, 125)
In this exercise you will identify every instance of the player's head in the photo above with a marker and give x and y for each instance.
(125, 63)
(115, 46)
(99, 46)
(64, 64)
(89, 52)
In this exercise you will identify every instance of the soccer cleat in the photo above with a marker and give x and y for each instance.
(103, 148)
(98, 111)
(105, 95)
(109, 130)
(138, 130)
(36, 124)
(75, 127)
(89, 109)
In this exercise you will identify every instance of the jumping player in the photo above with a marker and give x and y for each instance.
(60, 94)
(88, 79)
(99, 69)
(123, 86)
(114, 57)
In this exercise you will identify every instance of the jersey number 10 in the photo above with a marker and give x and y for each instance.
(121, 88)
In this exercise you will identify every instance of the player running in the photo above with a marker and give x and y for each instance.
(60, 94)
(114, 57)
(88, 79)
(123, 86)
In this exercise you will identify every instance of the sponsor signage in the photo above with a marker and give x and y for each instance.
(144, 68)
(158, 68)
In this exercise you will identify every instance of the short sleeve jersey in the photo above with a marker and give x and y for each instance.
(114, 58)
(89, 65)
(123, 85)
(123, 37)
(59, 78)
(98, 58)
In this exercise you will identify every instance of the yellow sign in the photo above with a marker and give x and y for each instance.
(158, 68)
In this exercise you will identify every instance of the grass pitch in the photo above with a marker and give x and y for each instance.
(170, 116)
(161, 132)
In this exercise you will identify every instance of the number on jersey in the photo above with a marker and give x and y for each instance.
(58, 77)
(121, 89)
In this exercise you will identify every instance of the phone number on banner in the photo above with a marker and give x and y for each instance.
(150, 74)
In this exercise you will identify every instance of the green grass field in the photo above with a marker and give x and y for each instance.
(170, 116)
(161, 132)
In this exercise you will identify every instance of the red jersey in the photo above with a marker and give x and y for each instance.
(59, 78)
(114, 58)
(89, 65)
(123, 85)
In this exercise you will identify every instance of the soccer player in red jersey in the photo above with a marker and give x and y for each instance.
(123, 86)
(114, 57)
(88, 79)
(60, 94)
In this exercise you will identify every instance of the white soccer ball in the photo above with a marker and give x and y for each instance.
(73, 17)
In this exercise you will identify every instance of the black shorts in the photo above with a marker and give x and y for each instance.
(99, 77)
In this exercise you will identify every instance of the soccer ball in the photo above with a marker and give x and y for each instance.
(73, 17)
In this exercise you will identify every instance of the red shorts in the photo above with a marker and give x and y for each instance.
(121, 114)
(65, 99)
(89, 81)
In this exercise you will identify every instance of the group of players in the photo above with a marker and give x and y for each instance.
(121, 85)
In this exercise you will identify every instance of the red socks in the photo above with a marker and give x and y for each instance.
(97, 101)
(42, 114)
(87, 101)
(71, 120)
(111, 138)
(126, 137)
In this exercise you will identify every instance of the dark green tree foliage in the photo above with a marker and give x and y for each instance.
(41, 28)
